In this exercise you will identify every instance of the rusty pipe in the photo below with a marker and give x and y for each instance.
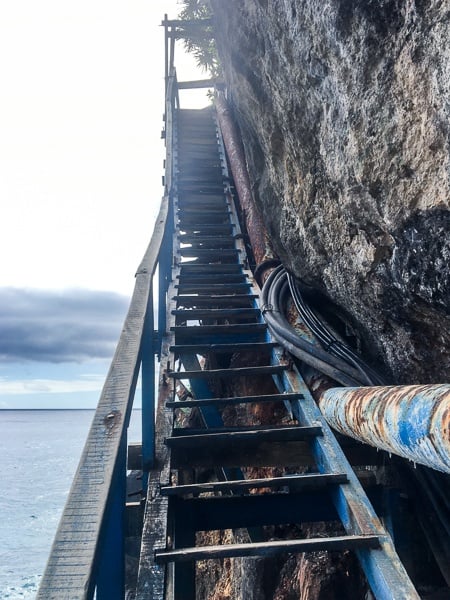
(411, 421)
(256, 229)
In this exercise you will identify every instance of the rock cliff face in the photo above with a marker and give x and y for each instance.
(344, 109)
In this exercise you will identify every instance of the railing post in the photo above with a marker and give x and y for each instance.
(110, 580)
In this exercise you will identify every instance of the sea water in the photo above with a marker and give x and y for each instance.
(39, 453)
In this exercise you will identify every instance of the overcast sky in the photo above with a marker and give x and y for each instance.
(81, 103)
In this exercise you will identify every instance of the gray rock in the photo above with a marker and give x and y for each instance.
(344, 110)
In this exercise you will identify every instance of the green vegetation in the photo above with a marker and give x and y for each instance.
(199, 37)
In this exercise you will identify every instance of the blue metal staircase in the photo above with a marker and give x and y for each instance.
(209, 429)
(232, 440)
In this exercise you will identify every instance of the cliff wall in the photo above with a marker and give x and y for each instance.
(344, 110)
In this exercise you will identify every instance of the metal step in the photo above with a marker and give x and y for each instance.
(233, 400)
(211, 228)
(217, 313)
(228, 373)
(216, 299)
(240, 435)
(213, 277)
(210, 253)
(202, 200)
(213, 210)
(206, 269)
(185, 288)
(208, 241)
(195, 330)
(296, 482)
(259, 348)
(272, 548)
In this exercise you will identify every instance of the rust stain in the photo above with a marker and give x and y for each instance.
(411, 421)
(253, 219)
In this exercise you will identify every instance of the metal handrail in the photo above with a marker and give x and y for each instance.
(87, 555)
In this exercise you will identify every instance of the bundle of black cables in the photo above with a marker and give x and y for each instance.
(336, 359)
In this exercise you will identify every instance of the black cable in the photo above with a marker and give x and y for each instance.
(286, 335)
(326, 338)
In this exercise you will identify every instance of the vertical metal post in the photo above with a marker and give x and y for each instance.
(148, 391)
(110, 580)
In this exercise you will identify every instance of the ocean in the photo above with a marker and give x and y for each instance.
(39, 452)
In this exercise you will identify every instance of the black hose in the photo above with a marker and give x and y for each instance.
(289, 338)
(328, 341)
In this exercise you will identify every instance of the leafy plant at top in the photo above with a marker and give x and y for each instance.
(199, 38)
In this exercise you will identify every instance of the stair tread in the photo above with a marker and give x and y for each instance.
(242, 300)
(241, 435)
(215, 286)
(345, 542)
(219, 329)
(195, 313)
(298, 481)
(231, 372)
(213, 278)
(200, 348)
(234, 400)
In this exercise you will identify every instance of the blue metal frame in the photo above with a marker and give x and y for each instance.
(111, 574)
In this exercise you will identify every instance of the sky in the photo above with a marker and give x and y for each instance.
(81, 105)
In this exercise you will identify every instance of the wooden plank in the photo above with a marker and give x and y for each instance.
(196, 84)
(250, 436)
(348, 542)
(195, 23)
(296, 482)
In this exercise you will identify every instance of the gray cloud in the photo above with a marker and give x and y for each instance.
(67, 326)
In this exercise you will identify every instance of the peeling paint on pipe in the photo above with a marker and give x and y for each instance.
(411, 421)
(256, 229)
